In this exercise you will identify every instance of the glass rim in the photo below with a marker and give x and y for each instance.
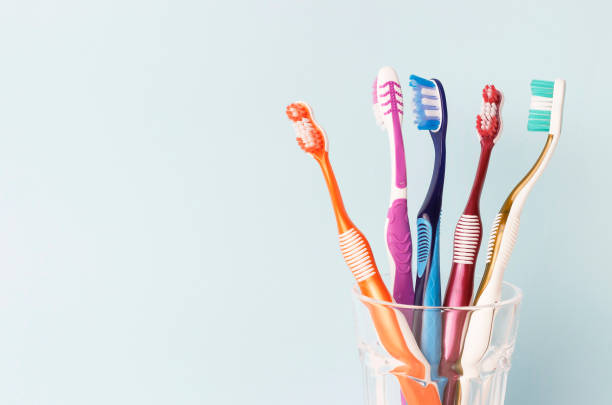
(517, 295)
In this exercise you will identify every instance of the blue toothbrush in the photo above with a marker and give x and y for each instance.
(430, 112)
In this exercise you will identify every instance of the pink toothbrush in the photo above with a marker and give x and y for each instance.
(388, 105)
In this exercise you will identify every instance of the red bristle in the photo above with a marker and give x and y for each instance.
(488, 121)
(490, 94)
(296, 111)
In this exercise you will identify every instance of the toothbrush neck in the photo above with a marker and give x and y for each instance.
(517, 197)
(473, 205)
(433, 201)
(399, 158)
(342, 219)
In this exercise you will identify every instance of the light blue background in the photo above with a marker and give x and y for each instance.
(164, 241)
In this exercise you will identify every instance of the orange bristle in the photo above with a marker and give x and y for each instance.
(310, 137)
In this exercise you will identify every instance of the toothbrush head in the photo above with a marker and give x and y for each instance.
(309, 135)
(427, 103)
(387, 98)
(546, 109)
(488, 122)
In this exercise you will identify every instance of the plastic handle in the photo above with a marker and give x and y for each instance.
(467, 239)
(480, 323)
(494, 270)
(428, 221)
(432, 322)
(392, 330)
(466, 244)
(432, 290)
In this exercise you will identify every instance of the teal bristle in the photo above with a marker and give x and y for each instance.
(539, 114)
(542, 88)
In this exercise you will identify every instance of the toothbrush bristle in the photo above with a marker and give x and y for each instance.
(310, 136)
(427, 106)
(374, 92)
(488, 122)
(376, 107)
(541, 105)
(388, 99)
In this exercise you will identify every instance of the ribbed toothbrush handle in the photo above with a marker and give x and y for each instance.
(480, 323)
(501, 244)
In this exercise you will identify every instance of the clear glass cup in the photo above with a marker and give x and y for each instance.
(482, 382)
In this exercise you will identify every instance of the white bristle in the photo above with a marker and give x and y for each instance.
(430, 92)
(487, 111)
(304, 130)
(541, 103)
(433, 114)
(378, 116)
(430, 101)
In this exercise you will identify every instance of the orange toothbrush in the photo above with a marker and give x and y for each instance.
(391, 327)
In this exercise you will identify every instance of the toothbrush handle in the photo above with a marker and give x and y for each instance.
(460, 285)
(480, 322)
(467, 238)
(458, 293)
(399, 244)
(427, 289)
(466, 244)
(424, 252)
(432, 322)
(390, 325)
(391, 328)
(501, 244)
(397, 340)
(468, 235)
(432, 289)
(427, 324)
(428, 221)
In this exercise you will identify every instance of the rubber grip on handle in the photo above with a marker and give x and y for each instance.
(399, 243)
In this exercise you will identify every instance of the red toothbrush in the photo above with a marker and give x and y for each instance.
(467, 239)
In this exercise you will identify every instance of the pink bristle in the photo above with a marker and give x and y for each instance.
(374, 92)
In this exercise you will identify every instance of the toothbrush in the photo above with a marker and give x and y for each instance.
(431, 114)
(545, 115)
(391, 327)
(388, 106)
(467, 239)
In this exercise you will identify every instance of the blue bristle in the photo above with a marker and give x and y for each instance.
(539, 120)
(421, 81)
(423, 121)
